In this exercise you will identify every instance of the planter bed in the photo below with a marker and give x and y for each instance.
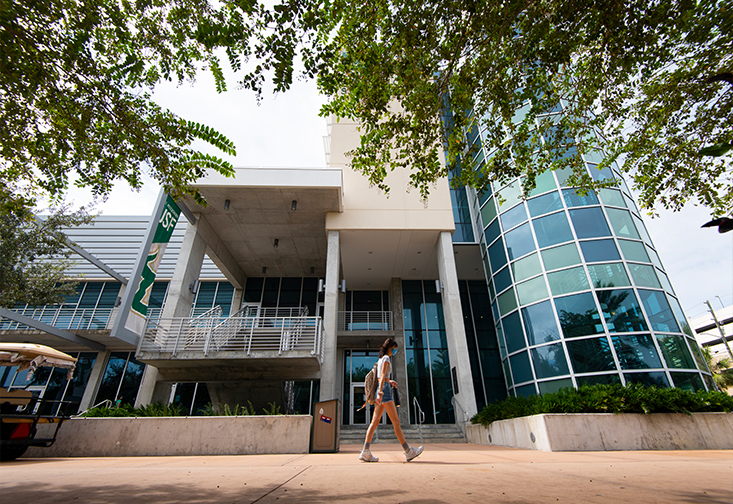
(609, 431)
(166, 436)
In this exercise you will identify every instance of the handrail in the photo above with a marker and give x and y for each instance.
(106, 402)
(465, 414)
(365, 321)
(417, 407)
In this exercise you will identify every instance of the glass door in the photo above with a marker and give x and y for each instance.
(358, 397)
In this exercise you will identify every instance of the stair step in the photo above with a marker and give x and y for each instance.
(354, 434)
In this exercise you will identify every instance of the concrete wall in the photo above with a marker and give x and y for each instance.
(137, 437)
(609, 432)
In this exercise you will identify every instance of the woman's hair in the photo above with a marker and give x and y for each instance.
(388, 343)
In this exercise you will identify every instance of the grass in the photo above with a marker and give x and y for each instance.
(633, 398)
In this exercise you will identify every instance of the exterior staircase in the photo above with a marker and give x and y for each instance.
(441, 433)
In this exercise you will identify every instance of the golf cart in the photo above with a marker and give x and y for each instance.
(20, 410)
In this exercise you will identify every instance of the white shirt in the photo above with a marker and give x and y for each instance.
(381, 362)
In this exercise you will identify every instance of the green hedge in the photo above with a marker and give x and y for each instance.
(633, 398)
(126, 410)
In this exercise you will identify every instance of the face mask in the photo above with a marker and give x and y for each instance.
(394, 351)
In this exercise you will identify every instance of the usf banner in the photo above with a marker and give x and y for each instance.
(138, 311)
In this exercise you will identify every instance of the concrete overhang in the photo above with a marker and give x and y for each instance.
(260, 211)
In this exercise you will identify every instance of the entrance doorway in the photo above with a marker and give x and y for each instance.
(357, 364)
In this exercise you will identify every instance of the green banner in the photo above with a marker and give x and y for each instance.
(163, 232)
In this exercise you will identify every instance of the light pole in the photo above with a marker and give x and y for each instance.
(720, 328)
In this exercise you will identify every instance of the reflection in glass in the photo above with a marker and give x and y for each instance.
(552, 229)
(599, 250)
(552, 386)
(589, 222)
(658, 379)
(681, 320)
(573, 199)
(658, 311)
(675, 351)
(612, 197)
(634, 251)
(636, 351)
(606, 379)
(488, 212)
(608, 275)
(532, 290)
(502, 279)
(560, 257)
(621, 222)
(526, 390)
(549, 361)
(543, 183)
(497, 256)
(688, 381)
(567, 281)
(492, 231)
(644, 275)
(513, 332)
(519, 241)
(507, 301)
(544, 204)
(621, 310)
(591, 355)
(578, 315)
(521, 369)
(526, 267)
(539, 321)
(513, 217)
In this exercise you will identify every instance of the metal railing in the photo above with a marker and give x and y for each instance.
(365, 321)
(234, 334)
(421, 419)
(466, 418)
(63, 317)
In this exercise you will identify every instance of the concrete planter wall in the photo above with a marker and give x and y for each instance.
(608, 432)
(153, 436)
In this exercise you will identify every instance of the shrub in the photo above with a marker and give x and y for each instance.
(632, 398)
(227, 410)
(126, 410)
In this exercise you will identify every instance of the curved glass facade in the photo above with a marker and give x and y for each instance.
(578, 293)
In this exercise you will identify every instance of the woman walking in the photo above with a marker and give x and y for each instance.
(385, 402)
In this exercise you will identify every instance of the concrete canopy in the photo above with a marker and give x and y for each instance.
(260, 212)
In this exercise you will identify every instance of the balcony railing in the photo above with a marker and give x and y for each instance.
(68, 318)
(234, 334)
(365, 321)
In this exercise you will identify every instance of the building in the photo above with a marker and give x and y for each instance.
(710, 329)
(282, 289)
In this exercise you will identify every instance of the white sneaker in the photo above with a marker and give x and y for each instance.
(413, 453)
(367, 456)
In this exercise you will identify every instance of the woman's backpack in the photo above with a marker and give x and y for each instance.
(371, 382)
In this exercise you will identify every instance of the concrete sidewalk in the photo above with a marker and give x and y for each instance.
(444, 473)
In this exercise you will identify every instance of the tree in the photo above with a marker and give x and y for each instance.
(545, 83)
(26, 276)
(722, 369)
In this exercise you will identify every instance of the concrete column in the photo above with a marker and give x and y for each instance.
(95, 377)
(329, 376)
(399, 361)
(178, 304)
(455, 330)
(236, 301)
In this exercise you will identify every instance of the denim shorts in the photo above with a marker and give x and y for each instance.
(387, 392)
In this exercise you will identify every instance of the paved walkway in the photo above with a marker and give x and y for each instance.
(444, 473)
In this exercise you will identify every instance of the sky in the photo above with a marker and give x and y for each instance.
(286, 131)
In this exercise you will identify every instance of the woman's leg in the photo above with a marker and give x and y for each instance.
(376, 417)
(392, 414)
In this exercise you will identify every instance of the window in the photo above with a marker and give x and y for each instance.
(560, 257)
(544, 204)
(526, 267)
(589, 222)
(636, 351)
(567, 281)
(658, 310)
(644, 275)
(621, 310)
(497, 255)
(519, 242)
(599, 250)
(608, 275)
(591, 355)
(634, 251)
(552, 229)
(549, 361)
(622, 224)
(578, 315)
(573, 199)
(675, 351)
(539, 322)
(514, 217)
(513, 332)
(521, 369)
(531, 291)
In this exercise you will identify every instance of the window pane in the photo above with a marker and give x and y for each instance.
(488, 212)
(514, 217)
(612, 197)
(665, 282)
(492, 232)
(544, 204)
(112, 375)
(634, 251)
(608, 275)
(641, 229)
(560, 257)
(507, 302)
(636, 351)
(621, 222)
(552, 229)
(502, 280)
(521, 369)
(681, 320)
(688, 381)
(675, 351)
(591, 355)
(549, 361)
(550, 387)
(531, 291)
(543, 183)
(607, 379)
(654, 256)
(621, 310)
(658, 310)
(526, 390)
(644, 275)
(578, 315)
(648, 379)
(497, 255)
(510, 194)
(513, 332)
(519, 241)
(539, 322)
(526, 267)
(573, 199)
(589, 222)
(599, 250)
(131, 380)
(567, 281)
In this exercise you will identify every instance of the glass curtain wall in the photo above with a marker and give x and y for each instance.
(577, 289)
(287, 292)
(121, 379)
